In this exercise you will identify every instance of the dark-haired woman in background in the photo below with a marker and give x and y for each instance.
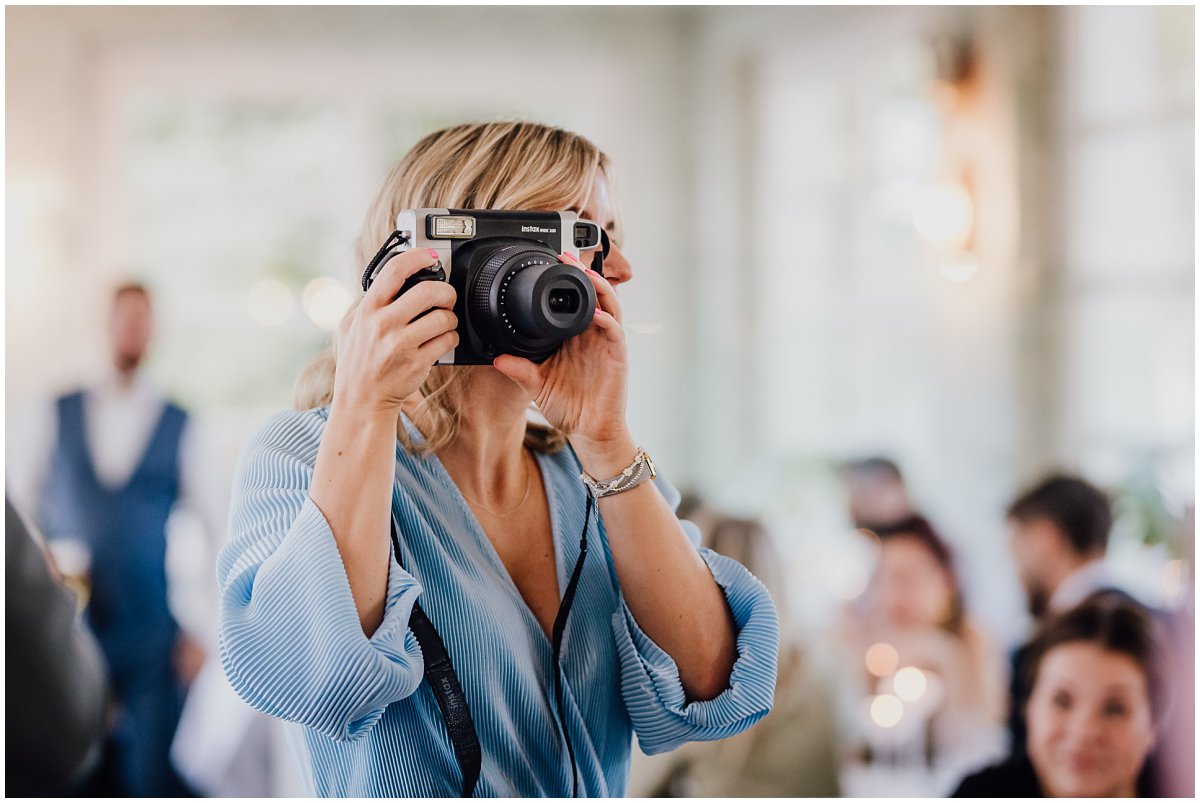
(928, 690)
(1094, 696)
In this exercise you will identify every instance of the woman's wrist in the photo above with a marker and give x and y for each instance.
(606, 457)
(362, 413)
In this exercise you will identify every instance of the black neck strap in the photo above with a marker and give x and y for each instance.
(443, 680)
(560, 626)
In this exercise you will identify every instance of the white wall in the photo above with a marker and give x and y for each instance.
(75, 75)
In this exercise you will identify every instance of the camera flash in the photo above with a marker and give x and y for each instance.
(451, 227)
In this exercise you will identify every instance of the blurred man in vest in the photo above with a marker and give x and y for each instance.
(112, 463)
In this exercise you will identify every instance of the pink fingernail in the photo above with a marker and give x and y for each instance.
(432, 253)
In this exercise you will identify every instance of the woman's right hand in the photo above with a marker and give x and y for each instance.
(388, 345)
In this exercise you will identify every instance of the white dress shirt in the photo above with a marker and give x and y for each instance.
(120, 418)
(1091, 576)
(222, 745)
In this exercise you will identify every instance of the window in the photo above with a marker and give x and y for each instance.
(1127, 400)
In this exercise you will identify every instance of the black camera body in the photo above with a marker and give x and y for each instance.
(514, 295)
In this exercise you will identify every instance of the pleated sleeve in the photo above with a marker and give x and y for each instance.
(661, 716)
(290, 639)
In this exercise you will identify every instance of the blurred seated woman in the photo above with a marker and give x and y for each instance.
(792, 751)
(939, 677)
(1094, 695)
(397, 481)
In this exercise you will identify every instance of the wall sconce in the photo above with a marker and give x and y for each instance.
(945, 214)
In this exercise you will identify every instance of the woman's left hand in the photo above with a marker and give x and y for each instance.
(581, 388)
(666, 583)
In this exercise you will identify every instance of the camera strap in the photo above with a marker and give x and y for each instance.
(601, 253)
(394, 239)
(443, 680)
(560, 626)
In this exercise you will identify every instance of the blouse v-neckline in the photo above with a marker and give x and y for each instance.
(484, 542)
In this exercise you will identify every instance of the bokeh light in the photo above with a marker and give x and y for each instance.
(910, 684)
(325, 301)
(270, 303)
(850, 580)
(958, 267)
(882, 659)
(887, 711)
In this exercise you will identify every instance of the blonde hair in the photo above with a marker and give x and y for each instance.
(501, 165)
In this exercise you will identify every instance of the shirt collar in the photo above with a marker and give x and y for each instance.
(110, 387)
(1091, 576)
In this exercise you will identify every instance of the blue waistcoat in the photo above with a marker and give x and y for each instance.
(125, 529)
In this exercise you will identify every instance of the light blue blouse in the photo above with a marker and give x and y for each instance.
(292, 645)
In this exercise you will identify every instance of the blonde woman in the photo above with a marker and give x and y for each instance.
(665, 640)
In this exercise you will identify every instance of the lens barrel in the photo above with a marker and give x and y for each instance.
(548, 301)
(525, 302)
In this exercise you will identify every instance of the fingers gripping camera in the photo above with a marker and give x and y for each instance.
(514, 295)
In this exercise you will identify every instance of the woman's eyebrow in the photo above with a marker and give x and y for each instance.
(1061, 683)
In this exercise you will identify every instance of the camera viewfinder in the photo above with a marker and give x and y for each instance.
(587, 235)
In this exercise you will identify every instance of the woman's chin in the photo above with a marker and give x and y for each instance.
(1082, 786)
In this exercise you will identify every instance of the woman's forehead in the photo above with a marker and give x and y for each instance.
(598, 204)
(598, 208)
(907, 546)
(1101, 666)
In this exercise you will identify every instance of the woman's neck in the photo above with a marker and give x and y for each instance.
(487, 458)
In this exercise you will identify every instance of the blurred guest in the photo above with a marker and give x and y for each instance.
(225, 748)
(111, 463)
(917, 650)
(55, 689)
(1095, 697)
(790, 753)
(1058, 534)
(1175, 772)
(877, 493)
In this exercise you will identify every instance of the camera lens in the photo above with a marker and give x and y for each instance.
(563, 301)
(547, 301)
(523, 301)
